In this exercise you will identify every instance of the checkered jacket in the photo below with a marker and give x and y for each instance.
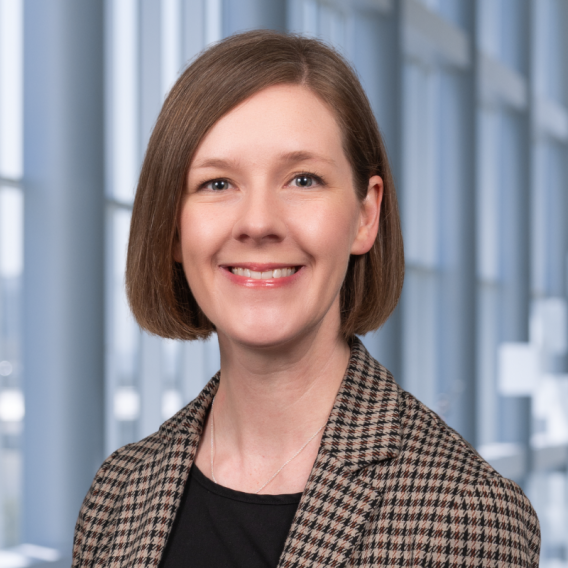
(392, 486)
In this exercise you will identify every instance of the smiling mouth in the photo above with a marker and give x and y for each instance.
(265, 275)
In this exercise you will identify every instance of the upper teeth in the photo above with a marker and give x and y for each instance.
(278, 273)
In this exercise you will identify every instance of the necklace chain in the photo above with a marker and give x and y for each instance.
(212, 453)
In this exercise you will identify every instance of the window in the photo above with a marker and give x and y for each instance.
(148, 379)
(11, 266)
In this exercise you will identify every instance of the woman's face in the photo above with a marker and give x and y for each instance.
(270, 218)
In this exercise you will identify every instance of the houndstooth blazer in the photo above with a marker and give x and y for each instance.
(392, 486)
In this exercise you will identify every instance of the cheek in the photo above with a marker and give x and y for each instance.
(200, 234)
(329, 230)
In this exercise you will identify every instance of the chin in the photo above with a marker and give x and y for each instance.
(270, 327)
(262, 334)
(264, 337)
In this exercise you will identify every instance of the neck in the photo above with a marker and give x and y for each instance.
(275, 395)
(269, 403)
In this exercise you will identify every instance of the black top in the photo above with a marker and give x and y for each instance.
(217, 527)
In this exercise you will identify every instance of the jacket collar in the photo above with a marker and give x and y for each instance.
(190, 420)
(363, 426)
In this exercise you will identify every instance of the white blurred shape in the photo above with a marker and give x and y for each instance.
(11, 232)
(124, 85)
(12, 407)
(171, 403)
(6, 368)
(9, 559)
(126, 404)
(11, 96)
(548, 325)
(27, 555)
(518, 369)
(38, 552)
(550, 404)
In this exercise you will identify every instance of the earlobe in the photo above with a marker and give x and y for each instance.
(369, 217)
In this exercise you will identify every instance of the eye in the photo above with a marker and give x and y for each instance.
(216, 185)
(305, 180)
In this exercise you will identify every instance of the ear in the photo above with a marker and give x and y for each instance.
(369, 217)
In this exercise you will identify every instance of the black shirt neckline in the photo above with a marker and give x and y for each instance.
(210, 485)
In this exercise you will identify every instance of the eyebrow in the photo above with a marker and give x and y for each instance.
(302, 156)
(287, 158)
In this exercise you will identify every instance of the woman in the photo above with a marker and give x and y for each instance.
(266, 212)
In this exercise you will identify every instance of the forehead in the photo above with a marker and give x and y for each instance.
(280, 119)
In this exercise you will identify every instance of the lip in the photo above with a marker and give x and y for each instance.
(262, 283)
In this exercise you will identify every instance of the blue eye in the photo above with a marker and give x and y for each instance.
(303, 181)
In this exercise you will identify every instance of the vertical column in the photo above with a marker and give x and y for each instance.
(461, 350)
(516, 412)
(63, 251)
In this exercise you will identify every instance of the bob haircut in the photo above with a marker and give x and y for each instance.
(216, 82)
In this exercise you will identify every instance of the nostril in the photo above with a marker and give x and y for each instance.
(259, 236)
(260, 219)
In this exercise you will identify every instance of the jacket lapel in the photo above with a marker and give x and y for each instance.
(344, 486)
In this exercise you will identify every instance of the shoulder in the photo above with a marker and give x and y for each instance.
(129, 475)
(483, 509)
(117, 468)
(105, 494)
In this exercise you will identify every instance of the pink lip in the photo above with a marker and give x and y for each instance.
(260, 283)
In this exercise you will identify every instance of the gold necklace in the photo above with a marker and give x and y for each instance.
(212, 454)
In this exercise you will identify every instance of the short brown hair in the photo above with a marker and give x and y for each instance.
(218, 80)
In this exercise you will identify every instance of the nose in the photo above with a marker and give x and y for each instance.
(260, 217)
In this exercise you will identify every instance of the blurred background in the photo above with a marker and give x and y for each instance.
(472, 99)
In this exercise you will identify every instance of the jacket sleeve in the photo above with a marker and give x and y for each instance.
(490, 525)
(528, 525)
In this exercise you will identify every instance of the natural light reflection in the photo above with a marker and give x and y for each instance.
(11, 232)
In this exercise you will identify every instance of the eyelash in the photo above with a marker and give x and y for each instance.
(317, 179)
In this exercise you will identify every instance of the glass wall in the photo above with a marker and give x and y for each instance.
(471, 97)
